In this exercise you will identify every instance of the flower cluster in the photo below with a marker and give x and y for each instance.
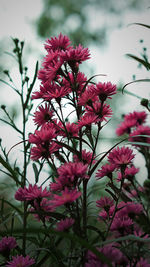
(68, 226)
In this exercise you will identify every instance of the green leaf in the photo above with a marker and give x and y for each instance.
(141, 61)
(136, 81)
(11, 205)
(31, 86)
(141, 24)
(7, 166)
(36, 173)
(87, 82)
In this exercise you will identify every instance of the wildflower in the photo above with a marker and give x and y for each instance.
(31, 193)
(78, 54)
(67, 196)
(87, 120)
(41, 210)
(140, 130)
(105, 203)
(6, 244)
(43, 115)
(44, 151)
(106, 170)
(121, 157)
(122, 225)
(105, 90)
(140, 117)
(70, 129)
(102, 111)
(110, 252)
(45, 134)
(72, 171)
(20, 261)
(59, 43)
(88, 96)
(141, 263)
(65, 224)
(129, 173)
(87, 157)
(125, 127)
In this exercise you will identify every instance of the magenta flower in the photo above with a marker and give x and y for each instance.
(140, 130)
(99, 110)
(139, 116)
(31, 193)
(122, 225)
(45, 134)
(59, 43)
(43, 115)
(121, 156)
(87, 120)
(125, 127)
(78, 54)
(20, 261)
(88, 96)
(141, 263)
(67, 196)
(44, 151)
(6, 244)
(105, 203)
(111, 252)
(106, 170)
(129, 173)
(87, 157)
(72, 171)
(70, 129)
(65, 224)
(105, 90)
(41, 210)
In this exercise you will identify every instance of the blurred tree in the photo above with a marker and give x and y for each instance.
(85, 21)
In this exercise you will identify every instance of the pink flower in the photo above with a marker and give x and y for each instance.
(78, 54)
(88, 96)
(121, 156)
(67, 196)
(87, 157)
(101, 111)
(72, 171)
(59, 43)
(65, 224)
(129, 209)
(20, 261)
(122, 225)
(125, 127)
(71, 130)
(105, 203)
(6, 244)
(140, 130)
(106, 170)
(141, 263)
(44, 151)
(139, 116)
(87, 120)
(45, 134)
(129, 173)
(41, 210)
(111, 252)
(105, 90)
(31, 193)
(43, 115)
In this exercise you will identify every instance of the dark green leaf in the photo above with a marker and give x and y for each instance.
(141, 61)
(136, 81)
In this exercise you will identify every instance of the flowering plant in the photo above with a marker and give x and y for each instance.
(61, 222)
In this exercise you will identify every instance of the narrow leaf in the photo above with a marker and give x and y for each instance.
(141, 61)
(136, 81)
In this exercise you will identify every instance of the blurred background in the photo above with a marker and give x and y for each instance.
(105, 27)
